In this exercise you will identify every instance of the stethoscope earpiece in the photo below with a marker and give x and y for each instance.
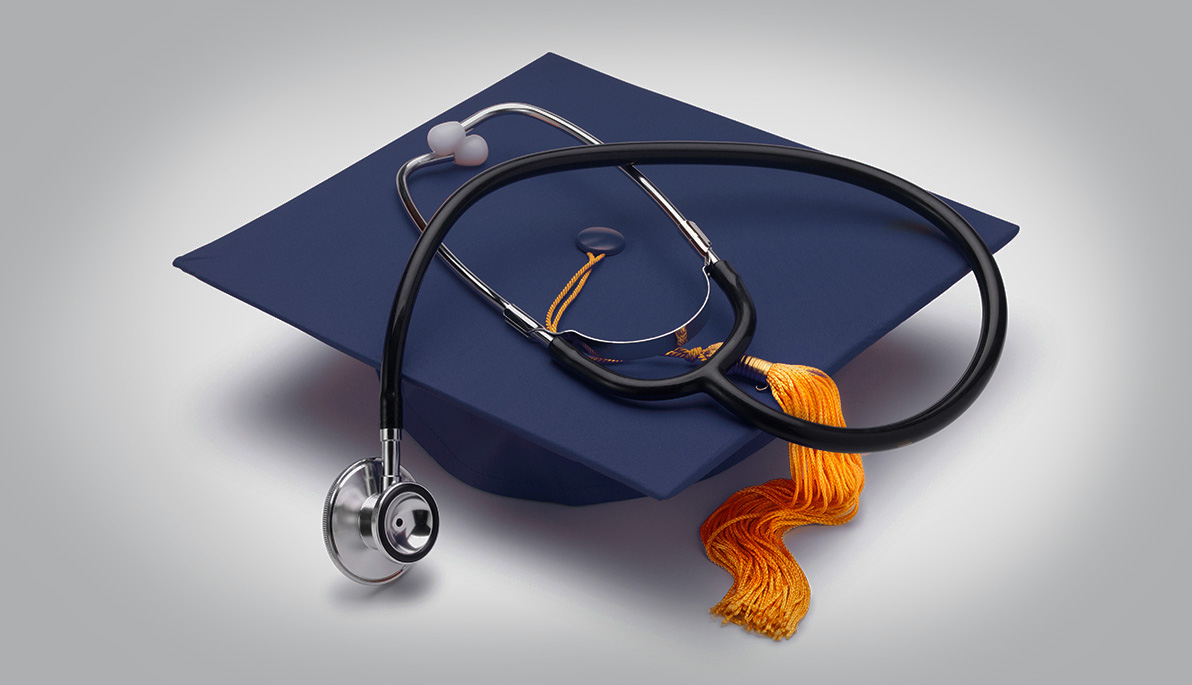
(451, 138)
(374, 535)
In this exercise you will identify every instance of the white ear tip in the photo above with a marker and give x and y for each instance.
(471, 151)
(445, 137)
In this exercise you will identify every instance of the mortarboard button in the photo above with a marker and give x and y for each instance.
(600, 240)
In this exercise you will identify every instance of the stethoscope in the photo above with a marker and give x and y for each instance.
(377, 520)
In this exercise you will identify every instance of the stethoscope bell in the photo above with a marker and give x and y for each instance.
(372, 535)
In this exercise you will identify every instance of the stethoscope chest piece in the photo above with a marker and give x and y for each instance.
(373, 535)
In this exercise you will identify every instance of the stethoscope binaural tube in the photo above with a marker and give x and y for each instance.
(711, 378)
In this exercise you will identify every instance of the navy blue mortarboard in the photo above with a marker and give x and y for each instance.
(831, 267)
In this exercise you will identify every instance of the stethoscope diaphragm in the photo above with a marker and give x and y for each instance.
(373, 536)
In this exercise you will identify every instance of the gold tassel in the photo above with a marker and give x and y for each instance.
(770, 593)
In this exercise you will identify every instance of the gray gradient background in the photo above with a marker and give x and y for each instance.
(168, 448)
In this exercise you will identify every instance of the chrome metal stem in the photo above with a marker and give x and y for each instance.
(695, 235)
(390, 457)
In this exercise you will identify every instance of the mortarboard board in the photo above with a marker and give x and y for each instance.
(830, 267)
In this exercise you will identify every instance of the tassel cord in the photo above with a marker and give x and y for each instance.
(770, 594)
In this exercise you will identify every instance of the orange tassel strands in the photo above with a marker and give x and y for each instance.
(770, 594)
(565, 298)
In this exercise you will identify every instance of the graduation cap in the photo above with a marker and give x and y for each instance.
(831, 268)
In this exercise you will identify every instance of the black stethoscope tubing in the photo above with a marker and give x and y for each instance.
(711, 377)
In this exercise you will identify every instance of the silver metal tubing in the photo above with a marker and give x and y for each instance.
(525, 324)
(698, 240)
(403, 190)
(583, 136)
